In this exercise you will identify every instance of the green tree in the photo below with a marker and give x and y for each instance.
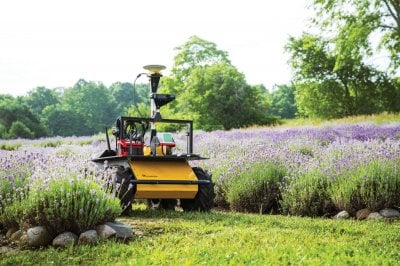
(64, 122)
(13, 110)
(220, 98)
(20, 130)
(93, 104)
(39, 98)
(211, 91)
(194, 53)
(126, 96)
(283, 102)
(328, 90)
(356, 22)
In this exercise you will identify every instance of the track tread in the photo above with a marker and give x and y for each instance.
(204, 200)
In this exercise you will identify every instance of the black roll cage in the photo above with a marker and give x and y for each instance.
(124, 120)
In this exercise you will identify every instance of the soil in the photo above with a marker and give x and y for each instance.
(6, 245)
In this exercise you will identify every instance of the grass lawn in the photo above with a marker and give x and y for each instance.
(218, 238)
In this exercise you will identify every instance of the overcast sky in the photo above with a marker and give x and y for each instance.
(54, 43)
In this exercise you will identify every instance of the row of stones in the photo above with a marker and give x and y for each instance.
(40, 236)
(366, 214)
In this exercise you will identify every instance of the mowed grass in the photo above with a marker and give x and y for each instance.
(219, 238)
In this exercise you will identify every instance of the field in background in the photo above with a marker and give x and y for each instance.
(377, 119)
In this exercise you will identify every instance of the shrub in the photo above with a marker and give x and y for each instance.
(374, 185)
(256, 189)
(10, 146)
(47, 189)
(20, 130)
(14, 177)
(66, 204)
(305, 194)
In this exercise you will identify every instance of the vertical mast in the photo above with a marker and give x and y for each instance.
(155, 75)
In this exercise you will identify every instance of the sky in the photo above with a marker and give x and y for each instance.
(54, 43)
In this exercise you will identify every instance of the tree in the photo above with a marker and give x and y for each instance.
(220, 98)
(126, 96)
(20, 130)
(194, 53)
(328, 90)
(93, 104)
(64, 122)
(14, 110)
(211, 91)
(356, 22)
(283, 102)
(39, 98)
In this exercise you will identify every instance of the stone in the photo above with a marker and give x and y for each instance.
(362, 214)
(11, 231)
(123, 231)
(16, 235)
(23, 241)
(65, 239)
(4, 250)
(38, 236)
(105, 231)
(88, 237)
(390, 213)
(342, 215)
(374, 216)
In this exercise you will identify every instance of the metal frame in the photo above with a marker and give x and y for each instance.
(170, 182)
(189, 123)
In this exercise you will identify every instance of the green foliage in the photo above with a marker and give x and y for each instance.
(17, 120)
(306, 194)
(196, 52)
(39, 98)
(221, 98)
(231, 239)
(211, 91)
(357, 22)
(374, 185)
(12, 189)
(96, 106)
(256, 189)
(10, 146)
(381, 118)
(282, 102)
(126, 96)
(3, 131)
(69, 204)
(62, 121)
(328, 90)
(20, 130)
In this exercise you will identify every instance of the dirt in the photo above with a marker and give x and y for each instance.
(6, 245)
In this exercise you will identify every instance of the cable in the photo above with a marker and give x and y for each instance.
(134, 93)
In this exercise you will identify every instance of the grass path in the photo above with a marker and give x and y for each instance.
(217, 238)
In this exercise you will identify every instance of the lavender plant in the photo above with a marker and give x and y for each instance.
(60, 189)
(327, 168)
(256, 188)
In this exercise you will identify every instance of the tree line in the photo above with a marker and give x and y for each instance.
(208, 89)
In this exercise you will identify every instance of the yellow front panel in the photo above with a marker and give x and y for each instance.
(164, 170)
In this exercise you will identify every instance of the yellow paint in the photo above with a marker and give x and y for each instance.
(164, 170)
(160, 151)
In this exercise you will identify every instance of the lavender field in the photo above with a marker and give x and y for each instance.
(306, 171)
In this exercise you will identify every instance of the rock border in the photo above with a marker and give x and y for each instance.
(41, 236)
(366, 214)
